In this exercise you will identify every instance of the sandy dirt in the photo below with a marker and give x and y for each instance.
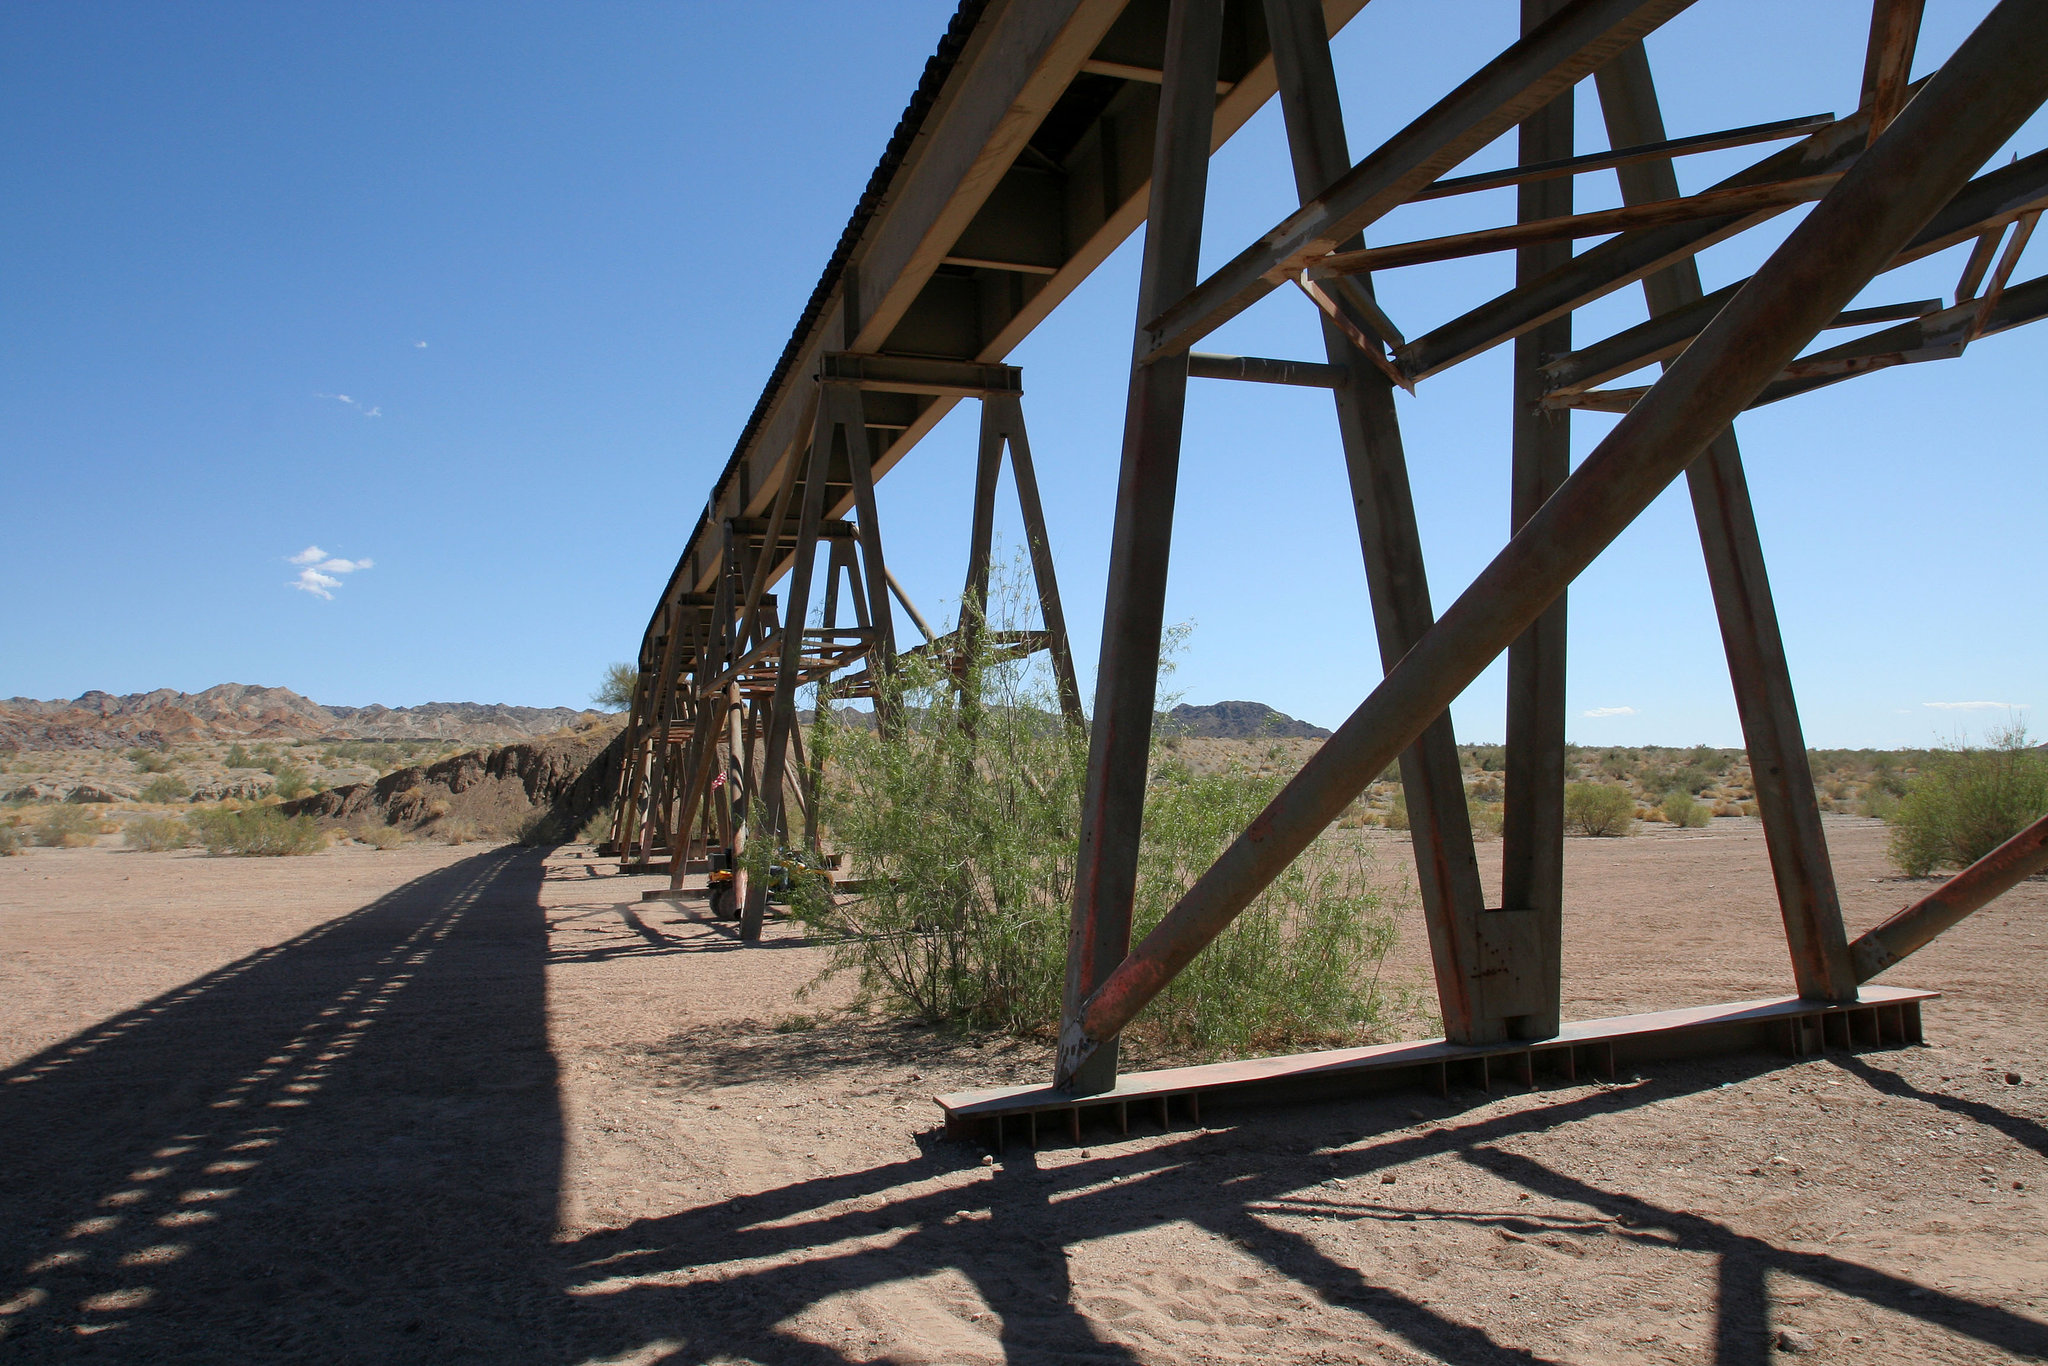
(440, 1104)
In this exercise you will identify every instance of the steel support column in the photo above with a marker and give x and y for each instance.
(839, 422)
(1782, 776)
(1127, 677)
(1447, 872)
(1532, 827)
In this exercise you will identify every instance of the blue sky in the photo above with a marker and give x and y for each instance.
(474, 299)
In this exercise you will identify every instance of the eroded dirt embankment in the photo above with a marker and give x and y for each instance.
(564, 779)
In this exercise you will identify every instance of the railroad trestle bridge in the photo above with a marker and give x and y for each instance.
(1044, 133)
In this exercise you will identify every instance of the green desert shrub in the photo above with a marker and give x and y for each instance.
(10, 841)
(67, 827)
(156, 833)
(292, 781)
(259, 831)
(963, 825)
(1300, 966)
(239, 757)
(616, 687)
(1683, 809)
(165, 788)
(151, 760)
(1604, 809)
(1967, 802)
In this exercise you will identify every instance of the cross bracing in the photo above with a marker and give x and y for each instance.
(1043, 134)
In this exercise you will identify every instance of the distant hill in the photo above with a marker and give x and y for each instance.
(1239, 721)
(238, 711)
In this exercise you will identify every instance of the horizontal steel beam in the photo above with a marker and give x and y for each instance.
(1260, 370)
(754, 530)
(1737, 199)
(920, 375)
(1937, 335)
(1883, 1016)
(1666, 335)
(1626, 156)
(1622, 261)
(1146, 75)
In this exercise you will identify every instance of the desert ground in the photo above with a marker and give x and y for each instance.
(483, 1104)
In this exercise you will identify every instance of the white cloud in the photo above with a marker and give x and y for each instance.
(319, 571)
(421, 345)
(1975, 706)
(1598, 712)
(354, 403)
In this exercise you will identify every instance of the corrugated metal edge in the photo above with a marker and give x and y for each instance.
(936, 70)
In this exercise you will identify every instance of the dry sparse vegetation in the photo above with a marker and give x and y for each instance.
(257, 832)
(378, 835)
(69, 827)
(156, 833)
(164, 788)
(1966, 802)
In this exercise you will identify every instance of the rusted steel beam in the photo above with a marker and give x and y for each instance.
(1984, 206)
(838, 423)
(1666, 334)
(859, 458)
(720, 642)
(1981, 95)
(1440, 829)
(1112, 808)
(1532, 824)
(1574, 42)
(981, 534)
(1941, 335)
(1144, 74)
(1307, 374)
(1978, 263)
(1994, 198)
(1747, 200)
(1894, 33)
(1886, 1016)
(1615, 264)
(887, 374)
(1990, 877)
(2017, 243)
(632, 755)
(1002, 424)
(916, 617)
(1808, 901)
(1009, 412)
(1528, 171)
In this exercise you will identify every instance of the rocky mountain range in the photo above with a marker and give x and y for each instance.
(239, 711)
(1238, 721)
